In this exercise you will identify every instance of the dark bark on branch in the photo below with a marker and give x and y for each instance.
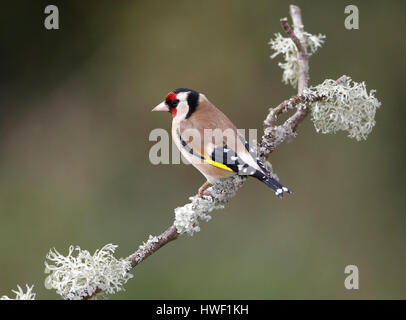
(140, 255)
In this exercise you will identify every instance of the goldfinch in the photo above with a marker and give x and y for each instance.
(211, 142)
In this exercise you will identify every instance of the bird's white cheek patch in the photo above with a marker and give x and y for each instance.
(181, 111)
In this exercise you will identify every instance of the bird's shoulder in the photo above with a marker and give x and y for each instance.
(208, 116)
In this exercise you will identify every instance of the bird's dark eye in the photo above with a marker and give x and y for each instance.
(174, 103)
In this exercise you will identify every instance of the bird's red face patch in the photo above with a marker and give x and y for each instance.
(173, 112)
(172, 101)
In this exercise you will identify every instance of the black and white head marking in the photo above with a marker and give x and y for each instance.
(188, 101)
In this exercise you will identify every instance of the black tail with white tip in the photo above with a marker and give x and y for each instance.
(272, 184)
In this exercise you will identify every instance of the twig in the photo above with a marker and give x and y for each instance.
(302, 61)
(141, 254)
(286, 105)
(303, 57)
(268, 142)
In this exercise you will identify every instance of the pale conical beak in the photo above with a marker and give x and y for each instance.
(161, 107)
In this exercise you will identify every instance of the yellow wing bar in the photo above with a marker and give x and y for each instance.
(199, 155)
(217, 164)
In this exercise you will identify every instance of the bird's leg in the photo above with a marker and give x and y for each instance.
(202, 188)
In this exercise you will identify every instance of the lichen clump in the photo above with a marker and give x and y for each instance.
(146, 247)
(187, 217)
(346, 106)
(286, 47)
(80, 274)
(21, 295)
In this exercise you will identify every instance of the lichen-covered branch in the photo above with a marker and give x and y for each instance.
(298, 37)
(334, 104)
(188, 215)
(152, 245)
(275, 135)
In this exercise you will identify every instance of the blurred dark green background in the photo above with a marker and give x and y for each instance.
(74, 125)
